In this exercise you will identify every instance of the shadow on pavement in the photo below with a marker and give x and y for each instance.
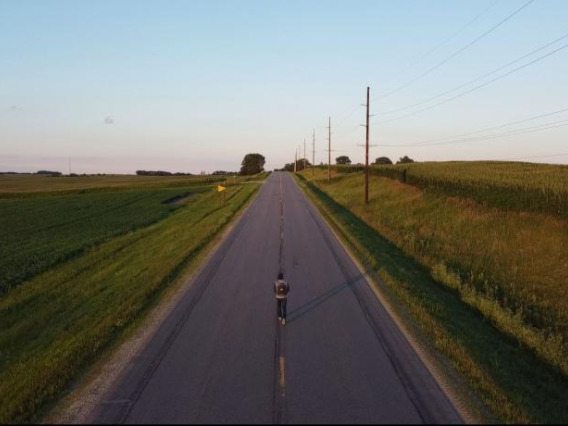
(314, 303)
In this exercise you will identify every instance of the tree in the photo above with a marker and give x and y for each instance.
(405, 159)
(343, 159)
(288, 167)
(383, 160)
(300, 164)
(252, 164)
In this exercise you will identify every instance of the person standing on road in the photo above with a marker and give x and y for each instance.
(281, 289)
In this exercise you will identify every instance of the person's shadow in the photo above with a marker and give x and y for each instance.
(314, 303)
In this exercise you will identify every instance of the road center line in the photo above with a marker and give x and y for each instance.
(282, 378)
(279, 350)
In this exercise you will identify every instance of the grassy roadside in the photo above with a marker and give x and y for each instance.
(57, 324)
(511, 380)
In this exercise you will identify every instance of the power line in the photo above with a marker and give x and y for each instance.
(340, 121)
(453, 55)
(343, 118)
(532, 129)
(500, 126)
(455, 34)
(476, 79)
(459, 95)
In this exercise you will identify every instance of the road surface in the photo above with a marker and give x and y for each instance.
(221, 356)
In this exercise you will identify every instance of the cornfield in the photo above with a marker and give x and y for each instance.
(514, 186)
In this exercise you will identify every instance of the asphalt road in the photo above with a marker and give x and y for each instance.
(221, 356)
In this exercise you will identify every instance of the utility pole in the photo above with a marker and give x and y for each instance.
(367, 152)
(329, 151)
(69, 165)
(295, 159)
(304, 153)
(313, 152)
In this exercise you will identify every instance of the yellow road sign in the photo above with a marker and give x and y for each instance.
(220, 188)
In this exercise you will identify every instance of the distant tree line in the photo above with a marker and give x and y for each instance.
(223, 172)
(300, 163)
(387, 160)
(48, 172)
(344, 159)
(160, 173)
(52, 173)
(16, 173)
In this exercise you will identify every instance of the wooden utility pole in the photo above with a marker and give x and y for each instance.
(295, 159)
(313, 152)
(329, 151)
(367, 152)
(304, 153)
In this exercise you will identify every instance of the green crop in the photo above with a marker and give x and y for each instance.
(43, 231)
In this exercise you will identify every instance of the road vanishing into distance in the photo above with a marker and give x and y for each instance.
(221, 356)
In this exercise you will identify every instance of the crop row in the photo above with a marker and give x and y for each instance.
(40, 232)
(541, 188)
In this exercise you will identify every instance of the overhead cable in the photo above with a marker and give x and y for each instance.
(485, 129)
(453, 55)
(459, 95)
(476, 79)
(532, 129)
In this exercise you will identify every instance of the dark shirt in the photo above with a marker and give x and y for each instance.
(286, 290)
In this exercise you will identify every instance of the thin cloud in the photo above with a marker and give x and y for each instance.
(109, 120)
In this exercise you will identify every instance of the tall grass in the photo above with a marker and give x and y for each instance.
(57, 323)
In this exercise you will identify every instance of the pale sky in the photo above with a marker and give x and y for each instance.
(193, 86)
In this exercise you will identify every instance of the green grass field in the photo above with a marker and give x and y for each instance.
(486, 284)
(40, 232)
(131, 248)
(20, 186)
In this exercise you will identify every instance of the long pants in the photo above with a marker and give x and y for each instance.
(281, 307)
